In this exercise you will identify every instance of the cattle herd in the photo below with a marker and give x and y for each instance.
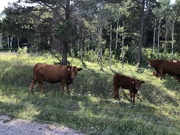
(65, 74)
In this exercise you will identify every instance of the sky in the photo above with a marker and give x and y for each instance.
(173, 1)
(4, 3)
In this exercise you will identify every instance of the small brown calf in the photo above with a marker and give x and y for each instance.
(126, 82)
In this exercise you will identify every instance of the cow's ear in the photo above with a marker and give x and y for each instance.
(69, 67)
(149, 60)
(79, 69)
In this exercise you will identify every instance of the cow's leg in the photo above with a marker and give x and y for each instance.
(40, 86)
(62, 87)
(123, 95)
(67, 86)
(133, 97)
(164, 74)
(116, 93)
(161, 74)
(32, 85)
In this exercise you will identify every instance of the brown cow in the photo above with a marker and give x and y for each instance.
(53, 74)
(126, 82)
(171, 67)
(177, 77)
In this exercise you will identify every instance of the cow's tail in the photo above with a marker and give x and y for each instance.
(33, 79)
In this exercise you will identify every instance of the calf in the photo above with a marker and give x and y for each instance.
(126, 82)
(53, 74)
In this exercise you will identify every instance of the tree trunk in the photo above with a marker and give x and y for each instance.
(166, 36)
(110, 46)
(82, 43)
(11, 42)
(154, 36)
(141, 35)
(159, 29)
(117, 25)
(123, 44)
(8, 42)
(64, 53)
(18, 41)
(172, 46)
(66, 43)
(100, 47)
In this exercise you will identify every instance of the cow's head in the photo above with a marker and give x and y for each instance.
(154, 63)
(137, 84)
(149, 63)
(73, 71)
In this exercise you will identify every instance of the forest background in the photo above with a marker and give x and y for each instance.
(130, 31)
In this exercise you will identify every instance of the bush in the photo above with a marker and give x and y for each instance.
(91, 56)
(22, 50)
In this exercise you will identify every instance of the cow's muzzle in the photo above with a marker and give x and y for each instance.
(149, 65)
(73, 76)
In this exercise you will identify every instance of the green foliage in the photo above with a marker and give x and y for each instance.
(91, 56)
(90, 108)
(62, 29)
(22, 50)
(147, 53)
(130, 55)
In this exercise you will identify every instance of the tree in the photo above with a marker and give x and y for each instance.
(175, 12)
(116, 13)
(158, 12)
(52, 20)
(141, 32)
(106, 28)
(14, 26)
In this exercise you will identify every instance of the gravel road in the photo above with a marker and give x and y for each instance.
(25, 127)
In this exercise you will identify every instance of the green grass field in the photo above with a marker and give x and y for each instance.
(90, 108)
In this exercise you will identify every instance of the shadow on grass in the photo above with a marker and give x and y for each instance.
(171, 83)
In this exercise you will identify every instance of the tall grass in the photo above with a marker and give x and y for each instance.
(90, 108)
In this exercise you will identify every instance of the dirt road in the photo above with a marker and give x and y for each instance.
(25, 127)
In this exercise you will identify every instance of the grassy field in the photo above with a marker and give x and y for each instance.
(90, 108)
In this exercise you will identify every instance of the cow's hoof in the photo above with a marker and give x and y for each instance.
(130, 106)
(116, 102)
(32, 92)
(121, 99)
